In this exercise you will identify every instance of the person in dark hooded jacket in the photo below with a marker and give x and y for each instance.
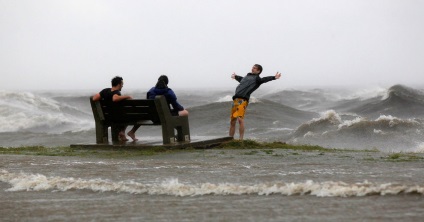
(161, 88)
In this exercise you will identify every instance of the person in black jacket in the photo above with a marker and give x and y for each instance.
(114, 94)
(247, 86)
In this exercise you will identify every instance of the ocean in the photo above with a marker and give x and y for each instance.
(223, 185)
(387, 119)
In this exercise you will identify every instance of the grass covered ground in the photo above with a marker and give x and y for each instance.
(251, 145)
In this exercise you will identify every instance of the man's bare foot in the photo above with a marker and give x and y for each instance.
(132, 135)
(123, 139)
(122, 136)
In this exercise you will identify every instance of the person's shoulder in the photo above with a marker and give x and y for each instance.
(105, 89)
(170, 91)
(152, 89)
(105, 92)
(252, 76)
(116, 92)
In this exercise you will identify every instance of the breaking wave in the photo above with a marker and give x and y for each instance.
(38, 182)
(387, 133)
(400, 101)
(28, 112)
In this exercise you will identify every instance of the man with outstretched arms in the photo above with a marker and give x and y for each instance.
(247, 86)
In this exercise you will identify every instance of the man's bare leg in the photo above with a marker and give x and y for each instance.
(183, 113)
(131, 133)
(241, 127)
(232, 127)
(121, 134)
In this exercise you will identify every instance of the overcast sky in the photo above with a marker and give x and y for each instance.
(82, 44)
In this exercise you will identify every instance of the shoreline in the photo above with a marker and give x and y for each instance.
(251, 147)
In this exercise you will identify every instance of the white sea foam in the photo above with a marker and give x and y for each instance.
(393, 121)
(226, 98)
(254, 100)
(364, 94)
(329, 115)
(376, 131)
(419, 148)
(24, 111)
(38, 182)
(309, 134)
(348, 123)
(352, 94)
(389, 120)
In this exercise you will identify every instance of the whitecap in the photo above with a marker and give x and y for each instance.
(173, 187)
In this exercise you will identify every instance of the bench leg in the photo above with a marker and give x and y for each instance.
(180, 136)
(115, 129)
(184, 130)
(183, 133)
(168, 135)
(101, 133)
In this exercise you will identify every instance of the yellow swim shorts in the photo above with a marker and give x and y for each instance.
(239, 108)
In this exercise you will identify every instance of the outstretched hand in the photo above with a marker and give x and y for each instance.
(277, 75)
(233, 76)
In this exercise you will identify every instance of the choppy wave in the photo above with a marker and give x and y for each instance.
(39, 182)
(389, 119)
(332, 120)
(400, 101)
(385, 132)
(321, 99)
(28, 112)
(263, 112)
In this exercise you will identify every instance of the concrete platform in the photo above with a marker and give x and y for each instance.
(200, 143)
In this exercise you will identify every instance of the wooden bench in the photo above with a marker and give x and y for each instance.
(138, 111)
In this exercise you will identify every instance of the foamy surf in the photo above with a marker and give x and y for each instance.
(28, 112)
(39, 182)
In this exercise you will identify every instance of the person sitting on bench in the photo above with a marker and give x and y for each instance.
(114, 94)
(161, 88)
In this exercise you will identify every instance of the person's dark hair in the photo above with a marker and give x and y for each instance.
(116, 80)
(162, 82)
(259, 67)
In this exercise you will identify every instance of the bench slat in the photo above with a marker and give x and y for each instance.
(144, 102)
(131, 117)
(128, 109)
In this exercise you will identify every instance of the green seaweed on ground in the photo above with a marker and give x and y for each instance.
(68, 151)
(252, 144)
(402, 157)
(38, 150)
(129, 151)
(240, 144)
